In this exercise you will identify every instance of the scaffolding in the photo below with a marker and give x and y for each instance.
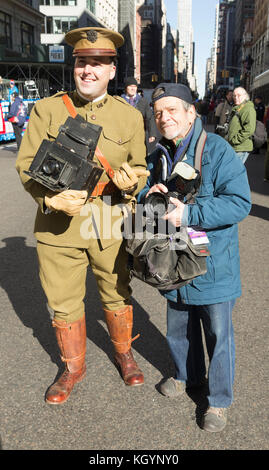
(48, 78)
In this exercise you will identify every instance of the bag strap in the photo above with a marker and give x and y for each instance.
(199, 151)
(70, 107)
(236, 113)
(72, 111)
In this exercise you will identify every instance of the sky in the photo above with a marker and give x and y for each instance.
(203, 23)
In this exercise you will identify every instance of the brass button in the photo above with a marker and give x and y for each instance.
(119, 141)
(93, 117)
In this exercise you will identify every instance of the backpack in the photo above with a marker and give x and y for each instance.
(260, 135)
(167, 261)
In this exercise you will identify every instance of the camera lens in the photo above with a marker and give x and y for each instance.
(156, 205)
(51, 167)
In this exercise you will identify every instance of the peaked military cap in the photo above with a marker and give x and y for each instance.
(94, 41)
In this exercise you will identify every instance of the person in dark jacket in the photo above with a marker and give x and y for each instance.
(222, 201)
(259, 108)
(139, 102)
(17, 115)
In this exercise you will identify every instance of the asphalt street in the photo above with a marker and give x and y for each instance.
(102, 413)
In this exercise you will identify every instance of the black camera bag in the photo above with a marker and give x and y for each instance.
(170, 261)
(166, 263)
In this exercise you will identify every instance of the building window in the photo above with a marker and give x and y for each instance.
(27, 37)
(56, 3)
(59, 25)
(5, 30)
(70, 3)
(91, 5)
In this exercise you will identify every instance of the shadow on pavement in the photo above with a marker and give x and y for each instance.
(10, 148)
(255, 171)
(20, 279)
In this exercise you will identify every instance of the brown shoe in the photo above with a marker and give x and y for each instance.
(59, 392)
(129, 369)
(120, 325)
(71, 338)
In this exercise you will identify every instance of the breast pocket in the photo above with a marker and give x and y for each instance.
(117, 145)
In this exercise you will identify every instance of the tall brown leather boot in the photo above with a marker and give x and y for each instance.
(120, 325)
(71, 338)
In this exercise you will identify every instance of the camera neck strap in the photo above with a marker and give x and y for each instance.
(72, 111)
(199, 149)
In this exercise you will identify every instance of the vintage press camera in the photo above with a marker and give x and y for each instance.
(184, 181)
(66, 163)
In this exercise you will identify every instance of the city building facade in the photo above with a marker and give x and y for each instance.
(185, 64)
(242, 48)
(20, 31)
(259, 79)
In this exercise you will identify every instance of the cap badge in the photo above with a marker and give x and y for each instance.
(92, 35)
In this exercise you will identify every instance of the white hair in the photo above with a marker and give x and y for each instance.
(244, 92)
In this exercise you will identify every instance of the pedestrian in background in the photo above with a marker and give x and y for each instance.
(212, 106)
(135, 99)
(223, 111)
(17, 116)
(13, 89)
(242, 124)
(266, 164)
(259, 108)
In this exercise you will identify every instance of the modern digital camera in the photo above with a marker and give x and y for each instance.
(183, 182)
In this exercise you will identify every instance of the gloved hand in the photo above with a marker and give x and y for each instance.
(126, 178)
(70, 201)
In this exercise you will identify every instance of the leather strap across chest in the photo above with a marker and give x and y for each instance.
(100, 188)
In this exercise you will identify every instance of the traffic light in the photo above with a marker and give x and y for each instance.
(225, 73)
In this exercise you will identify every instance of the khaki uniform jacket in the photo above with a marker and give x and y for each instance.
(122, 140)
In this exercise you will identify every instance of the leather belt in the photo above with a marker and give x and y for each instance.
(104, 189)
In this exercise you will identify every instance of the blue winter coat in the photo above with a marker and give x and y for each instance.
(19, 110)
(223, 201)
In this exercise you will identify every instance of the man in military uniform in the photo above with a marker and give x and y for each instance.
(65, 245)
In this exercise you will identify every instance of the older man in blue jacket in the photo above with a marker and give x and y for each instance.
(223, 200)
